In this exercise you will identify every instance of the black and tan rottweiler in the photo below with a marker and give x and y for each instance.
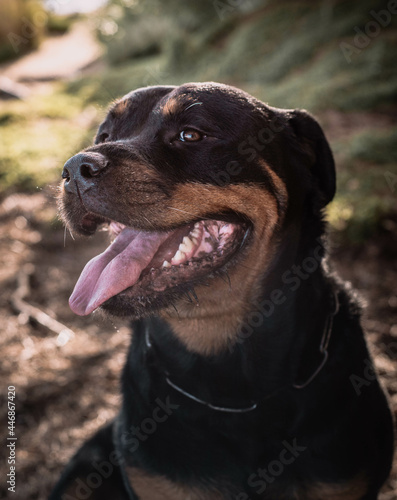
(248, 375)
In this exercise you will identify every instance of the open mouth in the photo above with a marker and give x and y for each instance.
(143, 264)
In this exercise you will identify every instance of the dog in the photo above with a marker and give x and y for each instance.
(248, 374)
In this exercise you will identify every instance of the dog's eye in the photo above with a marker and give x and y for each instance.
(190, 136)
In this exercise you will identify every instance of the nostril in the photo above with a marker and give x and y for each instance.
(66, 174)
(92, 168)
(88, 170)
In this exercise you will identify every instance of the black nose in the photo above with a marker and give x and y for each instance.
(81, 169)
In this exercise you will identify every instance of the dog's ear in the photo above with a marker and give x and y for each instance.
(314, 145)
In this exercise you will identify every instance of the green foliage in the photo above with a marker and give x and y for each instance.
(376, 146)
(38, 135)
(132, 29)
(22, 25)
(290, 57)
(57, 24)
(366, 161)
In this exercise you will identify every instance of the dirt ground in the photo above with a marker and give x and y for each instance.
(67, 383)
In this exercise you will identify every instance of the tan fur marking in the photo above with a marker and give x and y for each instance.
(278, 183)
(176, 104)
(353, 490)
(213, 325)
(120, 107)
(149, 487)
(173, 105)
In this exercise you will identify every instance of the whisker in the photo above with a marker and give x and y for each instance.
(173, 305)
(247, 267)
(151, 223)
(192, 291)
(226, 280)
(191, 105)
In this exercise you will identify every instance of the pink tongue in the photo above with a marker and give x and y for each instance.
(114, 270)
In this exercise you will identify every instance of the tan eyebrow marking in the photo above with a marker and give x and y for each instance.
(176, 104)
(119, 107)
(172, 106)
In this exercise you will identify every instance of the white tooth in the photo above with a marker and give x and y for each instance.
(194, 233)
(166, 264)
(187, 244)
(178, 257)
(197, 225)
(195, 240)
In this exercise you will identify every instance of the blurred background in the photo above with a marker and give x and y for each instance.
(61, 63)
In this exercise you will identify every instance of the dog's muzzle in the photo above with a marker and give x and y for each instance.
(80, 170)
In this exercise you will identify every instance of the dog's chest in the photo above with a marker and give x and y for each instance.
(149, 487)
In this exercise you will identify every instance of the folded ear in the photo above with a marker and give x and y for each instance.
(314, 145)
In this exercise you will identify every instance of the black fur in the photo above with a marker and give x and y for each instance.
(341, 433)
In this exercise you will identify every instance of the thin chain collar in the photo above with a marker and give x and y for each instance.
(194, 398)
(323, 349)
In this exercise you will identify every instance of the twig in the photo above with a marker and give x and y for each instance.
(20, 305)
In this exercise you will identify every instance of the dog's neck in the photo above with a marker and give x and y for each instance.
(254, 296)
(267, 350)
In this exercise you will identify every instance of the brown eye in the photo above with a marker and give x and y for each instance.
(190, 136)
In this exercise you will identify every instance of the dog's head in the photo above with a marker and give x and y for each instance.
(192, 181)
